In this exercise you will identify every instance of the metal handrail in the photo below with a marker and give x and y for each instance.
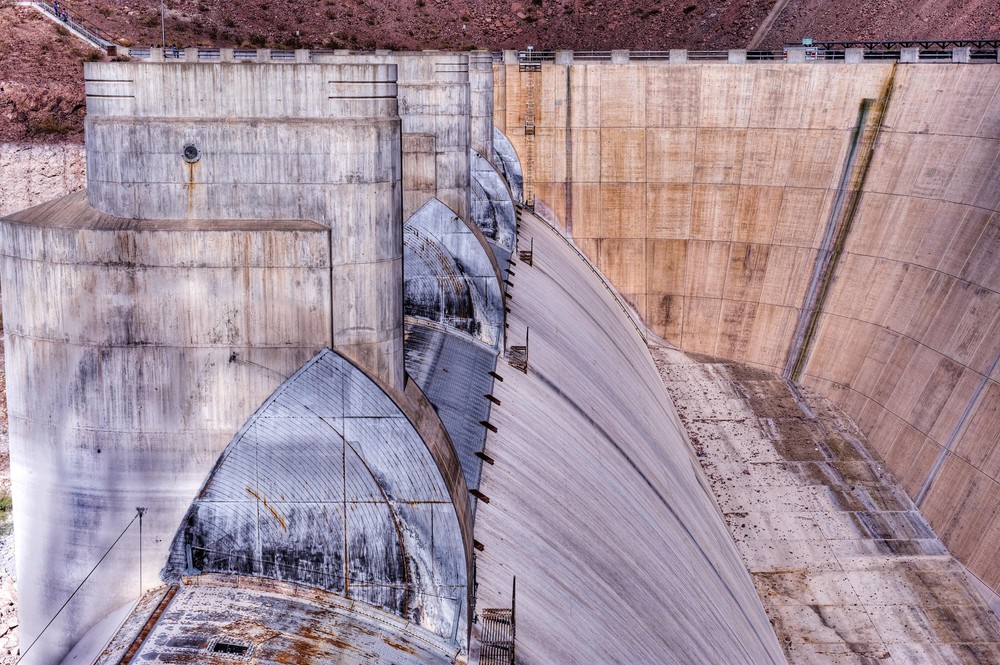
(831, 51)
(73, 23)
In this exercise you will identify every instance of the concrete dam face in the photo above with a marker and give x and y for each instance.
(303, 318)
(834, 223)
(260, 368)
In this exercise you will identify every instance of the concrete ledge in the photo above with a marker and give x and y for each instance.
(678, 56)
(737, 56)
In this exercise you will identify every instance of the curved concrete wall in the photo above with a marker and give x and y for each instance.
(133, 354)
(276, 142)
(597, 504)
(330, 486)
(706, 192)
(451, 277)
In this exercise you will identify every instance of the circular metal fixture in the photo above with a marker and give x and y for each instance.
(191, 153)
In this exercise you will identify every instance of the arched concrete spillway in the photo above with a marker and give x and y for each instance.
(329, 485)
(454, 307)
(508, 163)
(450, 275)
(705, 193)
(597, 504)
(493, 209)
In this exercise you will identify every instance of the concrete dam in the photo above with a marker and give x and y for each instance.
(344, 357)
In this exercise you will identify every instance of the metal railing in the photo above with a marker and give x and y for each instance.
(74, 24)
(927, 51)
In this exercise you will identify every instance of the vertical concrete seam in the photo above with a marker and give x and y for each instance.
(329, 273)
(568, 198)
(956, 431)
(731, 242)
(849, 193)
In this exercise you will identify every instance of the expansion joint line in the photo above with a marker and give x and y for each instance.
(871, 115)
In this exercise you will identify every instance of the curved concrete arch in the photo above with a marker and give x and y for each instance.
(330, 485)
(450, 274)
(630, 536)
(493, 209)
(508, 163)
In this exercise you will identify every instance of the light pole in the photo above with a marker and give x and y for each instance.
(163, 28)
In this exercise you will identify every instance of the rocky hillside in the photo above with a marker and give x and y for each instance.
(41, 95)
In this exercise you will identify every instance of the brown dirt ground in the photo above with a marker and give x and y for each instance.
(41, 91)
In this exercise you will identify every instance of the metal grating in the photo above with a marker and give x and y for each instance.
(497, 637)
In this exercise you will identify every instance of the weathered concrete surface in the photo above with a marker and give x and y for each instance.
(329, 485)
(137, 347)
(493, 210)
(453, 371)
(134, 351)
(847, 568)
(273, 142)
(481, 107)
(450, 275)
(703, 192)
(33, 174)
(435, 111)
(597, 504)
(508, 164)
(278, 622)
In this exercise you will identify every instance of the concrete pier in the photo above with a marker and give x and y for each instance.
(228, 233)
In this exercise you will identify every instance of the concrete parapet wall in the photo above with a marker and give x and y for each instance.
(704, 193)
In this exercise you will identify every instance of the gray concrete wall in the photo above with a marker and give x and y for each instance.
(133, 352)
(149, 317)
(434, 107)
(481, 102)
(275, 142)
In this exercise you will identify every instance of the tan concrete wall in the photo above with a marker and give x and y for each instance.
(910, 337)
(703, 192)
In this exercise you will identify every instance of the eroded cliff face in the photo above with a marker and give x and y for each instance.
(33, 174)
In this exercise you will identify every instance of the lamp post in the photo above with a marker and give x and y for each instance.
(163, 28)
